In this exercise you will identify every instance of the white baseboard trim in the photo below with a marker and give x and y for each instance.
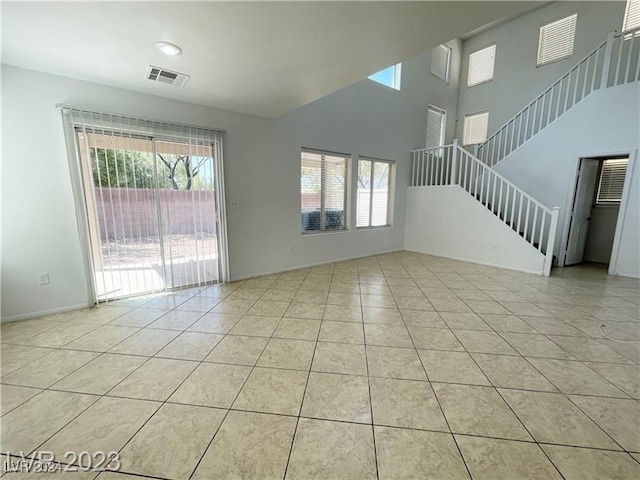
(309, 265)
(44, 313)
(484, 264)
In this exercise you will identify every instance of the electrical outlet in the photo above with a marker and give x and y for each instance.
(233, 204)
(291, 248)
(494, 246)
(43, 278)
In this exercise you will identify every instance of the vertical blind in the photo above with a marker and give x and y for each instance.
(374, 192)
(481, 65)
(435, 127)
(631, 15)
(440, 61)
(611, 182)
(324, 181)
(556, 40)
(475, 128)
(150, 195)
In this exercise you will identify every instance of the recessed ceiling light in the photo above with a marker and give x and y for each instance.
(168, 48)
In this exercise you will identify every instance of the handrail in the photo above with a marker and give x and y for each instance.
(451, 164)
(556, 83)
(613, 62)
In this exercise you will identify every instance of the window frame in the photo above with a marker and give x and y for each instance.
(447, 72)
(564, 57)
(347, 191)
(494, 45)
(464, 127)
(397, 77)
(390, 192)
(443, 125)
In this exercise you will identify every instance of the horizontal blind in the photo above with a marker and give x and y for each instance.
(324, 179)
(631, 15)
(374, 192)
(475, 128)
(612, 180)
(440, 61)
(435, 127)
(481, 65)
(556, 40)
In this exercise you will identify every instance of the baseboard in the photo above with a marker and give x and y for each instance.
(484, 264)
(43, 313)
(309, 265)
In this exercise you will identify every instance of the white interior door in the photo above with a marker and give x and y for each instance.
(580, 215)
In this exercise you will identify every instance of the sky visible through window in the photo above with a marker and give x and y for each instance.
(387, 77)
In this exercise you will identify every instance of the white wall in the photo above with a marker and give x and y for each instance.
(262, 166)
(605, 123)
(462, 228)
(517, 81)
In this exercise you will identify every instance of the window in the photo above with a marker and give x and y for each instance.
(389, 76)
(481, 64)
(441, 62)
(375, 178)
(475, 128)
(611, 181)
(556, 40)
(324, 180)
(436, 119)
(631, 15)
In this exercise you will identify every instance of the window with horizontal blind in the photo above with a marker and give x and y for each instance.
(324, 184)
(389, 77)
(436, 119)
(475, 128)
(481, 65)
(441, 62)
(631, 15)
(556, 40)
(375, 180)
(611, 181)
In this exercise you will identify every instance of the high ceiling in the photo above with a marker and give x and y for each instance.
(262, 58)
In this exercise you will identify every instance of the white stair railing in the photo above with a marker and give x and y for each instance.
(614, 62)
(453, 165)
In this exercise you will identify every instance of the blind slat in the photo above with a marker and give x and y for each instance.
(612, 179)
(481, 66)
(556, 40)
(631, 15)
(440, 62)
(435, 127)
(475, 128)
(324, 180)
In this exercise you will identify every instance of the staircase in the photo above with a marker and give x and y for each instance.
(453, 165)
(614, 62)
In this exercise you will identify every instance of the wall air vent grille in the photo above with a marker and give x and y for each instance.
(162, 75)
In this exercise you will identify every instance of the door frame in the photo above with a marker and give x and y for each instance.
(82, 215)
(613, 261)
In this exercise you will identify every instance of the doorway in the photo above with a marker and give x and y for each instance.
(595, 210)
(152, 212)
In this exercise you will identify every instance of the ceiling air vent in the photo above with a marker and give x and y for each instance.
(162, 75)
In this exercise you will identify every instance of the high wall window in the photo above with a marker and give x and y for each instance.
(375, 181)
(389, 77)
(611, 181)
(556, 40)
(475, 128)
(441, 62)
(324, 188)
(481, 65)
(631, 15)
(436, 121)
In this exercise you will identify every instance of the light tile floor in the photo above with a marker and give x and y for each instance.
(394, 366)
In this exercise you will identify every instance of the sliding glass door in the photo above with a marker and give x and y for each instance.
(152, 211)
